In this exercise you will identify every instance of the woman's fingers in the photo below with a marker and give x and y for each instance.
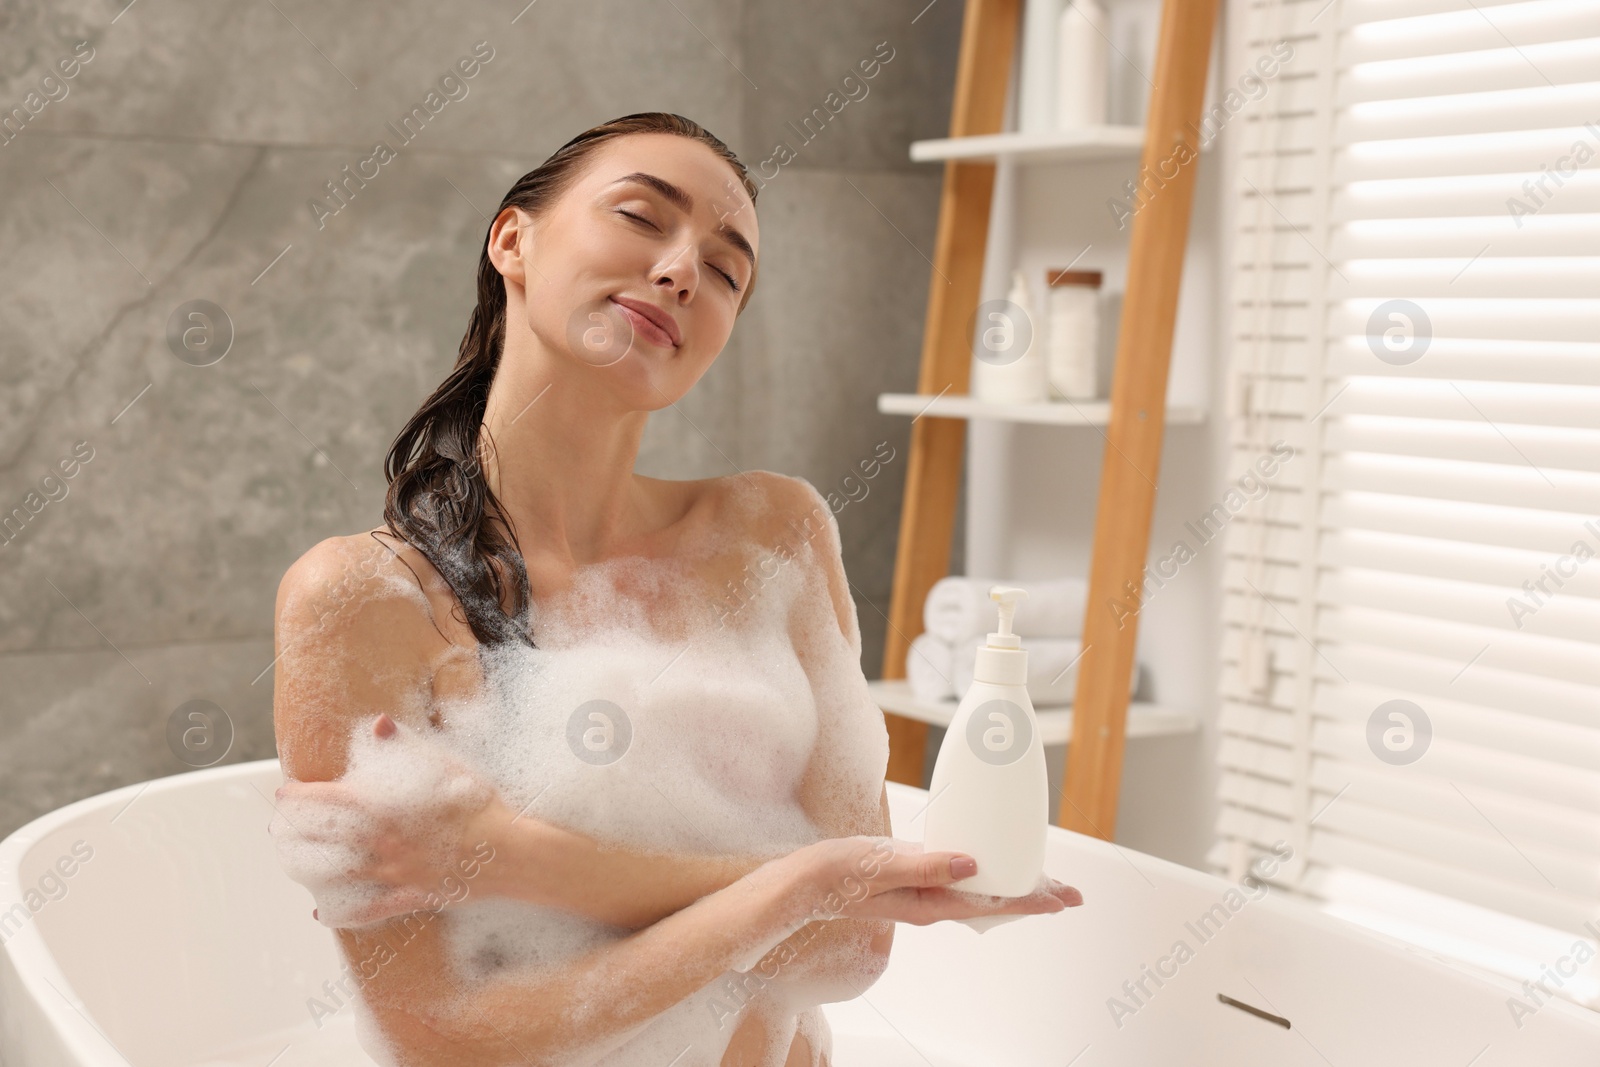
(908, 884)
(321, 813)
(888, 863)
(1038, 901)
(1049, 895)
(949, 869)
(1065, 893)
(937, 903)
(370, 902)
(370, 848)
(392, 905)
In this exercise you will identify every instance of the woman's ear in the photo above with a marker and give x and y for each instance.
(507, 238)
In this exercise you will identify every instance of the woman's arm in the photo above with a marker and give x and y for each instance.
(830, 960)
(541, 863)
(586, 1005)
(836, 956)
(596, 1002)
(534, 861)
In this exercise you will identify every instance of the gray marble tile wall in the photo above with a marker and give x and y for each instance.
(178, 161)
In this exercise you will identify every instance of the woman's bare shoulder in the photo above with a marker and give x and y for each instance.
(763, 502)
(355, 636)
(791, 519)
(341, 578)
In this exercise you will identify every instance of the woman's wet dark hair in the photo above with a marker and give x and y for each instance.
(438, 498)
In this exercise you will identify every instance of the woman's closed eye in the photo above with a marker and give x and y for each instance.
(639, 218)
(733, 284)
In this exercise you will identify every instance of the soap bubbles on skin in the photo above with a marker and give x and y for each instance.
(610, 718)
(713, 730)
(398, 783)
(599, 732)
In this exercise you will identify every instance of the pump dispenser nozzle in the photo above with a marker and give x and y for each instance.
(1006, 596)
(1002, 661)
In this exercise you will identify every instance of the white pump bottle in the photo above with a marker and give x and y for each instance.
(989, 796)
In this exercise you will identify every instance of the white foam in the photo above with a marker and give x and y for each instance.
(406, 776)
(655, 714)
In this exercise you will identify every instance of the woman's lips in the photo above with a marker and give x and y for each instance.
(644, 327)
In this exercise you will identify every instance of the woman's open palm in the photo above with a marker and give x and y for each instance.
(867, 877)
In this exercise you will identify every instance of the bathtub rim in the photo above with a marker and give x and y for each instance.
(33, 966)
(35, 969)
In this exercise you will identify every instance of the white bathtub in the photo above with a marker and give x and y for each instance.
(179, 943)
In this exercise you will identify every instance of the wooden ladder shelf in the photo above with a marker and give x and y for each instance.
(1137, 418)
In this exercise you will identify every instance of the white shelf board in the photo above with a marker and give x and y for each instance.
(1051, 412)
(1044, 146)
(1055, 724)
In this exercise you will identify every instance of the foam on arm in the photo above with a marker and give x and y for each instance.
(842, 791)
(355, 639)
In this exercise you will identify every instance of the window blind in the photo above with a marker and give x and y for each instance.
(1411, 652)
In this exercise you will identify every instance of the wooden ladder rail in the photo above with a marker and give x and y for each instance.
(1132, 461)
(927, 519)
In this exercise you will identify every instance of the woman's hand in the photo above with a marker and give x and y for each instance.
(381, 859)
(866, 877)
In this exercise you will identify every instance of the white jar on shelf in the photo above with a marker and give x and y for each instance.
(1083, 67)
(1074, 333)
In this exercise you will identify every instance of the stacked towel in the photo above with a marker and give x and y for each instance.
(1050, 682)
(930, 668)
(958, 608)
(958, 616)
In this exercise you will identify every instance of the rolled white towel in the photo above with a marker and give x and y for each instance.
(928, 668)
(958, 608)
(1050, 683)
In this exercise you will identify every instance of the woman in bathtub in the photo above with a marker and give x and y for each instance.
(701, 888)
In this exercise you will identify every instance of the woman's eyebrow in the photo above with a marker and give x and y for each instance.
(685, 202)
